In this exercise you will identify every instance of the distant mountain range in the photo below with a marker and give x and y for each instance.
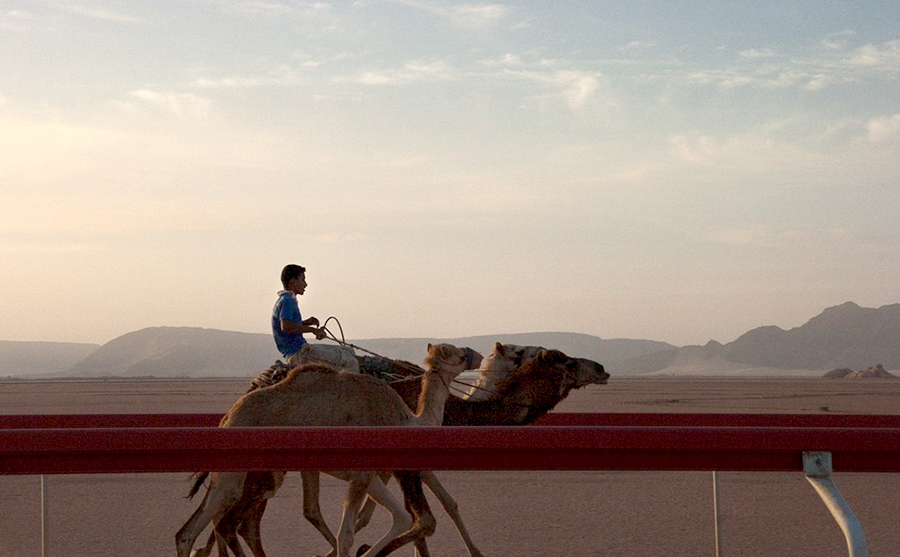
(845, 336)
(196, 352)
(32, 359)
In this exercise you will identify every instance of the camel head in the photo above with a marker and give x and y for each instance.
(589, 372)
(545, 380)
(578, 372)
(503, 361)
(450, 360)
(505, 358)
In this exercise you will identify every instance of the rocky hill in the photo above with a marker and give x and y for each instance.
(179, 352)
(844, 336)
(875, 372)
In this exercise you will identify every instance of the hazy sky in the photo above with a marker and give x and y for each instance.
(675, 171)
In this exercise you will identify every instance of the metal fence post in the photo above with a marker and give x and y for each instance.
(817, 468)
(45, 519)
(719, 552)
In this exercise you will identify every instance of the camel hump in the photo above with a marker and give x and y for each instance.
(316, 367)
(322, 398)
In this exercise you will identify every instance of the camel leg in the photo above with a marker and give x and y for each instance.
(249, 529)
(401, 520)
(229, 540)
(414, 497)
(244, 516)
(421, 548)
(311, 510)
(452, 509)
(365, 515)
(225, 489)
(225, 530)
(356, 494)
(254, 500)
(206, 551)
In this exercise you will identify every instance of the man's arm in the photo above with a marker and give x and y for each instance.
(292, 328)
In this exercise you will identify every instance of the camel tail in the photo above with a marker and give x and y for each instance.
(200, 477)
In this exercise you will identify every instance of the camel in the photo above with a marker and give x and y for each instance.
(529, 381)
(496, 367)
(316, 395)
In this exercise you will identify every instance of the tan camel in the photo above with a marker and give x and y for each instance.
(322, 398)
(529, 382)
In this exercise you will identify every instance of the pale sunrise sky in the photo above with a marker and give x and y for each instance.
(674, 171)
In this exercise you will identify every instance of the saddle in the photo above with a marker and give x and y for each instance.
(369, 365)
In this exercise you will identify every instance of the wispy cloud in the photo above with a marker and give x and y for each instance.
(282, 76)
(410, 72)
(466, 15)
(103, 14)
(283, 10)
(753, 53)
(830, 66)
(11, 19)
(638, 46)
(884, 129)
(574, 87)
(529, 59)
(180, 104)
(755, 151)
(886, 56)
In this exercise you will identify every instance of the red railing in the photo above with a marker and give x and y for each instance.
(54, 444)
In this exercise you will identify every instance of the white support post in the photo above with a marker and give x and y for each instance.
(716, 513)
(45, 519)
(817, 468)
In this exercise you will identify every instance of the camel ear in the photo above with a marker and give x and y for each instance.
(498, 348)
(430, 347)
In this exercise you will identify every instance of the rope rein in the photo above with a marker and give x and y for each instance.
(415, 371)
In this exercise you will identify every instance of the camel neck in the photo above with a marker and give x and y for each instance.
(433, 398)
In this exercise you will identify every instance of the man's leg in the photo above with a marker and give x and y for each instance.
(338, 356)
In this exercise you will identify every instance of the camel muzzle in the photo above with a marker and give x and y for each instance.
(471, 356)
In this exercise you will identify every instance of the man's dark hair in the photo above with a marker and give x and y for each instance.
(290, 272)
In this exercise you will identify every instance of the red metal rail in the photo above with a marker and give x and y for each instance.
(52, 421)
(188, 442)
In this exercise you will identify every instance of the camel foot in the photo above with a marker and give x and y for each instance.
(362, 549)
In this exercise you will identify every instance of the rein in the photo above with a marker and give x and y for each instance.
(415, 372)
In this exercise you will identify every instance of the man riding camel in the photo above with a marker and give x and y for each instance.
(288, 327)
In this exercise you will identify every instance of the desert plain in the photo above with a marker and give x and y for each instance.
(508, 513)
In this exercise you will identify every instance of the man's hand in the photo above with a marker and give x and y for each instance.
(320, 334)
(311, 322)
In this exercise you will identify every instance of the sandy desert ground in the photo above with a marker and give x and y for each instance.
(508, 513)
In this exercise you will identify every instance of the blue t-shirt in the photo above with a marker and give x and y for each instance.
(286, 308)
